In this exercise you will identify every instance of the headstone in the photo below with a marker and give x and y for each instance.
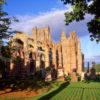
(48, 77)
(60, 74)
(73, 77)
(82, 76)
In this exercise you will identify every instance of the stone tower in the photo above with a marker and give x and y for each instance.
(71, 53)
(39, 47)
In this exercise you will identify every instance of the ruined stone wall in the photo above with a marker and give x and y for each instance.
(79, 58)
(71, 51)
(67, 50)
(41, 34)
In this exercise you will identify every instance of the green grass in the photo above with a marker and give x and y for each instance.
(75, 91)
(72, 91)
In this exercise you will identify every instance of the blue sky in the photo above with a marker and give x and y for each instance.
(43, 13)
(34, 7)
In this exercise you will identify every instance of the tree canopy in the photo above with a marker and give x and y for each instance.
(5, 33)
(80, 9)
(5, 21)
(5, 29)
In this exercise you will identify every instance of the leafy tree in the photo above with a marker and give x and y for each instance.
(6, 51)
(5, 21)
(80, 9)
(5, 33)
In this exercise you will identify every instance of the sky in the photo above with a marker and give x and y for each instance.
(42, 13)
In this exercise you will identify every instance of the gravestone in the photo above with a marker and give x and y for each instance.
(60, 74)
(73, 77)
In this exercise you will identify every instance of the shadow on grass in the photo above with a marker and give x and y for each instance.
(55, 92)
(29, 84)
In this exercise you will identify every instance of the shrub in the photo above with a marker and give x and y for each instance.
(48, 69)
(67, 78)
(79, 78)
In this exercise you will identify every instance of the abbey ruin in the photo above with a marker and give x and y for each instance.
(37, 51)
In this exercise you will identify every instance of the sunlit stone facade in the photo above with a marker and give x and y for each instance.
(38, 50)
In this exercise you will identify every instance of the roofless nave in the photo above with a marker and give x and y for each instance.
(37, 51)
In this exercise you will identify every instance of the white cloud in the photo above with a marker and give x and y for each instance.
(54, 19)
(90, 2)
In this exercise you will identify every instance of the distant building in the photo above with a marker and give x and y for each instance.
(37, 51)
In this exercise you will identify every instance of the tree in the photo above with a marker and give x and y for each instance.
(5, 21)
(5, 33)
(80, 9)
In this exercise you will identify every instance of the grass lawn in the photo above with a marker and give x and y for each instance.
(72, 91)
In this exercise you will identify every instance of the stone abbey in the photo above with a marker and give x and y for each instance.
(37, 51)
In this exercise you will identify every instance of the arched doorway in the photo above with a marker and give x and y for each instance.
(42, 60)
(42, 66)
(17, 57)
(18, 47)
(32, 63)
